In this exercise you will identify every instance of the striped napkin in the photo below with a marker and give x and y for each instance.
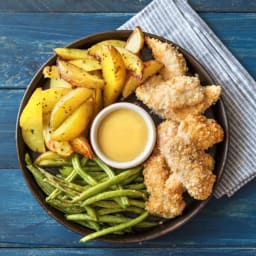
(178, 22)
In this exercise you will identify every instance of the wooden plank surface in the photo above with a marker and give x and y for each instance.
(26, 46)
(29, 30)
(119, 5)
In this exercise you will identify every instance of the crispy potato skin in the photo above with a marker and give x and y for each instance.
(31, 122)
(75, 124)
(114, 73)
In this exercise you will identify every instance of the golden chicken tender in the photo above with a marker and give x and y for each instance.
(165, 193)
(173, 60)
(203, 132)
(178, 97)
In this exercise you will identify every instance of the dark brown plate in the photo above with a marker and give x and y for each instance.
(220, 152)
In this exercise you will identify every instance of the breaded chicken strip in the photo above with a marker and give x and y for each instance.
(165, 194)
(203, 132)
(178, 92)
(178, 97)
(174, 62)
(189, 163)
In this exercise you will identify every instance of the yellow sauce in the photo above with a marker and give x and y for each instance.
(122, 135)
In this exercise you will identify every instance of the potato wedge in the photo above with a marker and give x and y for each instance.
(151, 67)
(67, 105)
(72, 53)
(89, 64)
(135, 41)
(77, 76)
(50, 158)
(62, 148)
(98, 101)
(31, 122)
(51, 72)
(82, 146)
(51, 96)
(114, 73)
(75, 124)
(59, 83)
(97, 49)
(132, 62)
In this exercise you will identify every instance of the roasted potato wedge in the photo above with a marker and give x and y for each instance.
(98, 101)
(51, 72)
(97, 49)
(31, 122)
(82, 146)
(90, 64)
(114, 73)
(151, 67)
(77, 76)
(67, 105)
(51, 96)
(135, 41)
(132, 62)
(75, 124)
(72, 53)
(59, 83)
(62, 148)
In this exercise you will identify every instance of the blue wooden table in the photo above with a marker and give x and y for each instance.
(29, 29)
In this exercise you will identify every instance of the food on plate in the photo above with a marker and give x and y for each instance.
(151, 67)
(75, 123)
(135, 41)
(56, 121)
(174, 62)
(97, 49)
(67, 104)
(177, 97)
(114, 73)
(78, 76)
(131, 135)
(31, 122)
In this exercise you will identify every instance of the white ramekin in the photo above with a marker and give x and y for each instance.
(151, 135)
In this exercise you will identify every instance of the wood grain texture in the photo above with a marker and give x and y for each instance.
(223, 223)
(118, 5)
(30, 44)
(131, 252)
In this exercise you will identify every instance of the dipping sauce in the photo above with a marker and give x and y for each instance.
(122, 135)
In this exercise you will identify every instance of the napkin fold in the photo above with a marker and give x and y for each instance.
(178, 22)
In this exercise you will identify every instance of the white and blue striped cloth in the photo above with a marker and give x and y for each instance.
(178, 22)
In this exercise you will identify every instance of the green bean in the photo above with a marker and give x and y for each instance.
(87, 178)
(112, 194)
(106, 211)
(116, 228)
(56, 192)
(131, 179)
(105, 185)
(124, 201)
(53, 163)
(64, 183)
(137, 186)
(137, 203)
(39, 176)
(84, 161)
(89, 224)
(69, 191)
(65, 206)
(106, 204)
(66, 170)
(91, 212)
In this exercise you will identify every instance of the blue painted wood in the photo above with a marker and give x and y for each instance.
(131, 252)
(224, 227)
(223, 223)
(118, 5)
(30, 44)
